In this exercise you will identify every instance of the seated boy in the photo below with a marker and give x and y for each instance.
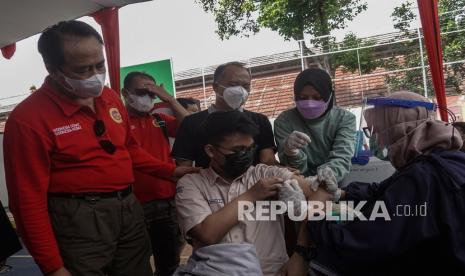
(207, 202)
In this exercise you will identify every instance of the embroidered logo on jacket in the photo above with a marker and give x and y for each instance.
(115, 115)
(215, 201)
(67, 129)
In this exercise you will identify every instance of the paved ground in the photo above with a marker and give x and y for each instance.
(22, 263)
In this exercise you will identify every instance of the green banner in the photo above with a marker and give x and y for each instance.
(161, 71)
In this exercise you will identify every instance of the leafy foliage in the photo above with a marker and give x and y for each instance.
(452, 21)
(290, 18)
(349, 60)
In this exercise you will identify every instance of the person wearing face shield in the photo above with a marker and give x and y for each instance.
(424, 200)
(207, 202)
(69, 159)
(460, 126)
(315, 133)
(231, 83)
(155, 194)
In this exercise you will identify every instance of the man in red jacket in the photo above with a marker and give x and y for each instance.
(69, 158)
(156, 194)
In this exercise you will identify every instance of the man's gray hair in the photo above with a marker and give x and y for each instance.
(220, 69)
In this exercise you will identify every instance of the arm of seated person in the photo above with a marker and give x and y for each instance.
(297, 265)
(319, 195)
(215, 226)
(267, 156)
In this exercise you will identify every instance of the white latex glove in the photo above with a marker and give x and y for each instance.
(326, 176)
(314, 182)
(294, 142)
(290, 191)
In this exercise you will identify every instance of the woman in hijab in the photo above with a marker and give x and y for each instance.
(419, 229)
(315, 132)
(460, 126)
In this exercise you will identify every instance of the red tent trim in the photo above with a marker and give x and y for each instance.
(432, 32)
(9, 50)
(108, 20)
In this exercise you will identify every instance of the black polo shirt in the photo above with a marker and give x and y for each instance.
(191, 138)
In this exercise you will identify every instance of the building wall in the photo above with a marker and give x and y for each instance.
(273, 93)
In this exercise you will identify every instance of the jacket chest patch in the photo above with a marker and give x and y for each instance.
(67, 129)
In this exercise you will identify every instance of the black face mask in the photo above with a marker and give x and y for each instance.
(238, 162)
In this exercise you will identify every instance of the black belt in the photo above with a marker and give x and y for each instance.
(95, 196)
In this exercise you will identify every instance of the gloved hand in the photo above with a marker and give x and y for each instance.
(290, 191)
(294, 142)
(314, 182)
(327, 178)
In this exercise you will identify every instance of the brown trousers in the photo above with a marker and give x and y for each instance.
(101, 237)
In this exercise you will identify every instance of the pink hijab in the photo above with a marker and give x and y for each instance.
(410, 132)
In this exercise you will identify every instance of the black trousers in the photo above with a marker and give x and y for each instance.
(9, 240)
(165, 235)
(100, 237)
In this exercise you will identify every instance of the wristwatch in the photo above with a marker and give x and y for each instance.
(308, 253)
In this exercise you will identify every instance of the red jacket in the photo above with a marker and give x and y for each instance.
(50, 146)
(151, 137)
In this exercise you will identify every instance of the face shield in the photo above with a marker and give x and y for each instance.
(375, 124)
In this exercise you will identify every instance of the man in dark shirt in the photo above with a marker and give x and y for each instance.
(190, 104)
(231, 83)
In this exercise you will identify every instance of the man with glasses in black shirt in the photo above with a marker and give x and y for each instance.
(231, 83)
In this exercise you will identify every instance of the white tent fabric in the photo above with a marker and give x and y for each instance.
(20, 19)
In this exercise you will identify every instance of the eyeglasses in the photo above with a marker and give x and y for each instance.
(99, 130)
(240, 151)
(367, 132)
(142, 92)
(245, 86)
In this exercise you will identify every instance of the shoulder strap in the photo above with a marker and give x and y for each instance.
(162, 124)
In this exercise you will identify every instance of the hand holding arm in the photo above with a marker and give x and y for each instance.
(215, 226)
(290, 191)
(328, 179)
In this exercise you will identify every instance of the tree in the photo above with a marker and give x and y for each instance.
(350, 60)
(32, 89)
(452, 20)
(290, 18)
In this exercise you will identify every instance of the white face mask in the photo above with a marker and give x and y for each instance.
(88, 88)
(234, 96)
(142, 104)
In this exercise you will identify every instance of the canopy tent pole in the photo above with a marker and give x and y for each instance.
(108, 20)
(432, 33)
